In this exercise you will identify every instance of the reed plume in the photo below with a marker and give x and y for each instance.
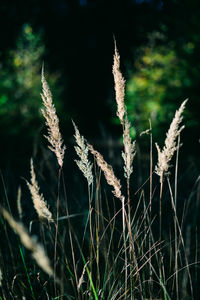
(38, 199)
(129, 150)
(108, 172)
(165, 156)
(129, 146)
(49, 112)
(119, 86)
(30, 243)
(82, 151)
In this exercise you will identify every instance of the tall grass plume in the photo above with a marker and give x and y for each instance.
(30, 243)
(119, 86)
(129, 150)
(82, 151)
(165, 156)
(108, 172)
(49, 112)
(38, 199)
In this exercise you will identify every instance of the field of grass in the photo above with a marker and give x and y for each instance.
(118, 242)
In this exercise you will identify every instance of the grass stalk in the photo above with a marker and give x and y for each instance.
(181, 236)
(27, 274)
(150, 203)
(175, 226)
(124, 238)
(70, 238)
(56, 227)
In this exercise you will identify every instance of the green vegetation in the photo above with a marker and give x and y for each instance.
(161, 75)
(20, 82)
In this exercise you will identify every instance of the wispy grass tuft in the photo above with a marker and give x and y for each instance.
(49, 112)
(119, 86)
(108, 172)
(82, 151)
(129, 150)
(19, 204)
(38, 199)
(165, 156)
(30, 243)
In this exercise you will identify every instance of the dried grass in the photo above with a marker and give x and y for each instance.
(54, 136)
(165, 156)
(19, 205)
(38, 199)
(119, 86)
(108, 172)
(81, 279)
(30, 243)
(82, 151)
(129, 150)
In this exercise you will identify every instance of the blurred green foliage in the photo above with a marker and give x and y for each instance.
(160, 80)
(20, 84)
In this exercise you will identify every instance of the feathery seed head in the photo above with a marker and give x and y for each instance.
(119, 86)
(129, 150)
(108, 172)
(54, 136)
(81, 280)
(30, 243)
(82, 151)
(38, 199)
(170, 146)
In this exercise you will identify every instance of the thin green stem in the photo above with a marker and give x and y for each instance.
(28, 277)
(181, 236)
